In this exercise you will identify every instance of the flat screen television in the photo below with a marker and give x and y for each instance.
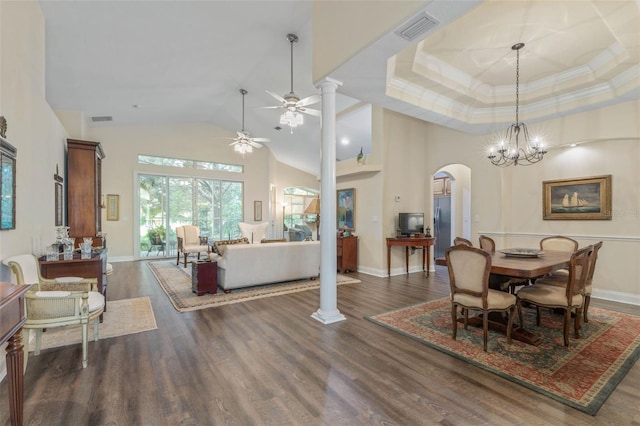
(410, 223)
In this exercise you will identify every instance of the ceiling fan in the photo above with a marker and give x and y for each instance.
(243, 143)
(292, 104)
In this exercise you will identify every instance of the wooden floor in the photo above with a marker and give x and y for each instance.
(268, 362)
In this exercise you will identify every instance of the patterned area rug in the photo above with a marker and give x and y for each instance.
(176, 283)
(127, 316)
(582, 376)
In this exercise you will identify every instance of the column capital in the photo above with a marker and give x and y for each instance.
(329, 82)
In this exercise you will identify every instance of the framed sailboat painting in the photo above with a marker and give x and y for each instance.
(577, 199)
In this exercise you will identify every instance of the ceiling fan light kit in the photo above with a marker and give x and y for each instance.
(243, 143)
(509, 151)
(292, 104)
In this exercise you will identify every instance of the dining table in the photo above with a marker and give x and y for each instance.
(533, 265)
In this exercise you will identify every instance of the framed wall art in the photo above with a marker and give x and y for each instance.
(257, 211)
(8, 154)
(577, 199)
(346, 209)
(113, 207)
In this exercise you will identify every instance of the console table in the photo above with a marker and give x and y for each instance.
(12, 314)
(425, 243)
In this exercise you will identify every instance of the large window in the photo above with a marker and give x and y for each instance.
(166, 202)
(296, 201)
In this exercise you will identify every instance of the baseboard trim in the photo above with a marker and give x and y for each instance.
(616, 296)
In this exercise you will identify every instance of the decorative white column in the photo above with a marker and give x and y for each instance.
(328, 312)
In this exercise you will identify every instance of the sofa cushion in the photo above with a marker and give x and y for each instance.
(254, 232)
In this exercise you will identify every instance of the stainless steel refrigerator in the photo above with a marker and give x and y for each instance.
(442, 223)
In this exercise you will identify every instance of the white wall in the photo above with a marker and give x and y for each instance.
(32, 128)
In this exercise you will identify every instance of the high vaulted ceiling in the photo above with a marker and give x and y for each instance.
(184, 61)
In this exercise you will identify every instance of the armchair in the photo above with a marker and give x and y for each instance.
(190, 241)
(57, 302)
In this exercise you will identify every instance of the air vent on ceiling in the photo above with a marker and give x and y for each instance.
(100, 118)
(417, 26)
(278, 128)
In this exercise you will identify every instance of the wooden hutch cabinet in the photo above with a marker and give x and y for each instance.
(84, 190)
(347, 254)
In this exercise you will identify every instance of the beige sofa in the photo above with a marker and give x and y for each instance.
(244, 265)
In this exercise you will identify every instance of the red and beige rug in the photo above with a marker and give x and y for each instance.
(582, 376)
(176, 283)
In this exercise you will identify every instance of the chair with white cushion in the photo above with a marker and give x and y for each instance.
(469, 269)
(57, 302)
(191, 242)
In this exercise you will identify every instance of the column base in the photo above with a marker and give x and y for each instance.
(328, 318)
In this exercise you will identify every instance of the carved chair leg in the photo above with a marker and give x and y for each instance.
(512, 313)
(485, 329)
(567, 321)
(587, 300)
(454, 321)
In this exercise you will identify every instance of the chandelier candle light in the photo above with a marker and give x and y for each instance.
(508, 151)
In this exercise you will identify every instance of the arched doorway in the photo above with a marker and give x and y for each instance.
(451, 206)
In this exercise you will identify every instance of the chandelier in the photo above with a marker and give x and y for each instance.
(517, 147)
(243, 148)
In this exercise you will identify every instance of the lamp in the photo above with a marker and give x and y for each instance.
(508, 151)
(314, 208)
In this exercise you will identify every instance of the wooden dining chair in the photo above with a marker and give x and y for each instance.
(469, 269)
(503, 282)
(559, 280)
(462, 241)
(559, 243)
(569, 298)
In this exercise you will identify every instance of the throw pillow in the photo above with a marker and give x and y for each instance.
(254, 233)
(218, 246)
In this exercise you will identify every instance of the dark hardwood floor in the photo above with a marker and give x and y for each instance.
(268, 362)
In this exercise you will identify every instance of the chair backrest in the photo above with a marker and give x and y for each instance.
(469, 269)
(25, 267)
(487, 244)
(190, 234)
(462, 241)
(592, 263)
(578, 271)
(558, 243)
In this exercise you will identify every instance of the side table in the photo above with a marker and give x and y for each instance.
(204, 277)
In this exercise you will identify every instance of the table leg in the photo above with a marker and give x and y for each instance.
(388, 260)
(424, 248)
(406, 257)
(428, 254)
(15, 377)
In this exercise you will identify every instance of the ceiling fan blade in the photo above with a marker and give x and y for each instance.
(261, 139)
(311, 111)
(255, 144)
(273, 107)
(313, 99)
(278, 97)
(233, 143)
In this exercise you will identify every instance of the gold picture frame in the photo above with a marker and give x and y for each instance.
(113, 207)
(586, 198)
(257, 211)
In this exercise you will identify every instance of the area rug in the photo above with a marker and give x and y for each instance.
(127, 316)
(581, 376)
(176, 283)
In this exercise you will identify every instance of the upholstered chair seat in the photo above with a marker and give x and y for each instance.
(469, 269)
(569, 297)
